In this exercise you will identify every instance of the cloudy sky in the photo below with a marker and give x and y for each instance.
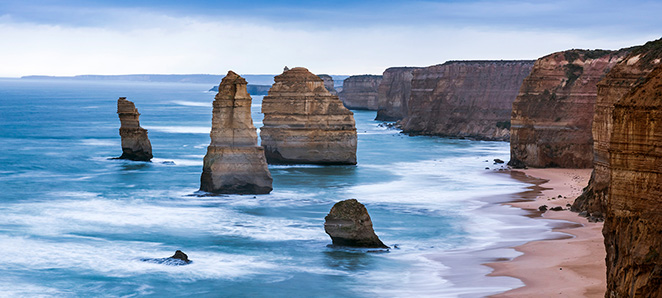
(71, 37)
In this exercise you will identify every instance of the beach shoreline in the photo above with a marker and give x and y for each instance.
(572, 266)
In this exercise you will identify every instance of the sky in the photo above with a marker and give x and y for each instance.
(75, 37)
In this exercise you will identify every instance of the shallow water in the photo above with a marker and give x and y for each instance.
(75, 223)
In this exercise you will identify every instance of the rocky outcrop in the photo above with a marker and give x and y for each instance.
(360, 92)
(470, 99)
(135, 143)
(348, 223)
(234, 163)
(633, 222)
(553, 113)
(394, 92)
(622, 78)
(328, 83)
(305, 124)
(178, 259)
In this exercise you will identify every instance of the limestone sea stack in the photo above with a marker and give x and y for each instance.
(328, 83)
(633, 222)
(553, 113)
(234, 163)
(305, 124)
(470, 99)
(394, 92)
(620, 80)
(135, 143)
(360, 92)
(348, 223)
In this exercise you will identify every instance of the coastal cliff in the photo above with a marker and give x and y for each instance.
(234, 163)
(633, 223)
(305, 124)
(135, 143)
(622, 78)
(360, 92)
(328, 83)
(553, 113)
(470, 99)
(394, 92)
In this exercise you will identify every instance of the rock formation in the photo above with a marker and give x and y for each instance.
(394, 92)
(234, 163)
(360, 92)
(633, 223)
(328, 83)
(178, 259)
(624, 76)
(135, 143)
(465, 99)
(305, 124)
(349, 224)
(553, 113)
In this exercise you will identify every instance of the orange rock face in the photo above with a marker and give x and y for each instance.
(135, 143)
(553, 113)
(633, 223)
(360, 92)
(465, 99)
(394, 92)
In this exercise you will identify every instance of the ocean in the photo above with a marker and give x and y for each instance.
(75, 223)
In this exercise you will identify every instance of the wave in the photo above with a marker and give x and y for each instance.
(180, 129)
(192, 103)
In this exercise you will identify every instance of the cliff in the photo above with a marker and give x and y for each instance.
(305, 124)
(234, 163)
(135, 143)
(465, 99)
(553, 114)
(360, 92)
(633, 223)
(622, 78)
(328, 83)
(394, 92)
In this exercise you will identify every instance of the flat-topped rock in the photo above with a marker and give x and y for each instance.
(349, 224)
(135, 143)
(360, 92)
(305, 124)
(234, 163)
(393, 93)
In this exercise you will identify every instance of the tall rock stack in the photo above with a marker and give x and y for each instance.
(135, 143)
(465, 99)
(305, 124)
(622, 78)
(328, 83)
(633, 223)
(394, 92)
(360, 92)
(234, 163)
(553, 113)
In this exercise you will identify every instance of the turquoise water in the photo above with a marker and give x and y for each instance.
(74, 223)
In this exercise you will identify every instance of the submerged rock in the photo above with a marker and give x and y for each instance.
(349, 224)
(178, 259)
(234, 163)
(135, 144)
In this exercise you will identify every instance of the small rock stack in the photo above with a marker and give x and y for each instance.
(135, 143)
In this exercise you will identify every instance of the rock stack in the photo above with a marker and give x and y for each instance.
(305, 124)
(234, 163)
(394, 92)
(360, 92)
(553, 113)
(348, 223)
(328, 83)
(135, 143)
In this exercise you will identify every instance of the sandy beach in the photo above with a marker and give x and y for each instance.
(569, 267)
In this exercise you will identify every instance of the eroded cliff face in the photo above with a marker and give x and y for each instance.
(234, 163)
(135, 143)
(394, 92)
(633, 222)
(360, 92)
(553, 113)
(620, 80)
(305, 124)
(328, 83)
(465, 99)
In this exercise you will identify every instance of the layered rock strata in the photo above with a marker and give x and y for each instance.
(328, 83)
(394, 92)
(622, 78)
(234, 163)
(349, 224)
(470, 99)
(633, 221)
(553, 113)
(360, 92)
(135, 143)
(305, 124)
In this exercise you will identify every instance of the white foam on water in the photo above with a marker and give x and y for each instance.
(192, 103)
(177, 162)
(15, 287)
(101, 143)
(180, 129)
